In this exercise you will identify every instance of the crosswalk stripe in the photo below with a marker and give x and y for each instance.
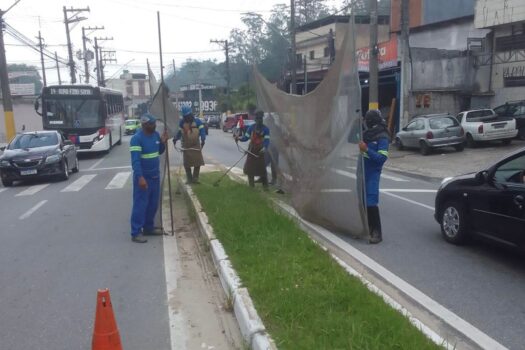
(119, 180)
(3, 189)
(79, 184)
(32, 190)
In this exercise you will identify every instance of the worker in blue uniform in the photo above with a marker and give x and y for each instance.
(374, 149)
(146, 146)
(259, 136)
(190, 129)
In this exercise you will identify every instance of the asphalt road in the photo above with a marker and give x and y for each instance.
(481, 282)
(63, 240)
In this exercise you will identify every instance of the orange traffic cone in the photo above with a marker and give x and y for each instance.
(105, 332)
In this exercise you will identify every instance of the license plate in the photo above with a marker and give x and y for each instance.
(28, 172)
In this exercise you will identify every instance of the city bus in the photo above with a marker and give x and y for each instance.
(91, 117)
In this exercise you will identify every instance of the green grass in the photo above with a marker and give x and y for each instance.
(305, 299)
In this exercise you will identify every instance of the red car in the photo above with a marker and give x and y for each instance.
(231, 122)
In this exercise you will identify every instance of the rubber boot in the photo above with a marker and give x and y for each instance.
(196, 172)
(264, 180)
(251, 181)
(374, 225)
(189, 178)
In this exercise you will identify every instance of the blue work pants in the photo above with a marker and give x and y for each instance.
(145, 204)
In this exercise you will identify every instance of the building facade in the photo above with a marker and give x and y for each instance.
(135, 90)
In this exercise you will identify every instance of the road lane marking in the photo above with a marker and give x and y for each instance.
(386, 176)
(79, 184)
(344, 173)
(3, 189)
(118, 180)
(336, 190)
(32, 210)
(456, 322)
(32, 190)
(95, 165)
(407, 200)
(110, 168)
(407, 190)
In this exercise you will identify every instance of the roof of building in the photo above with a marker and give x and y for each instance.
(441, 24)
(336, 19)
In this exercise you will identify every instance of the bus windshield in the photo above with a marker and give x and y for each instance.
(73, 113)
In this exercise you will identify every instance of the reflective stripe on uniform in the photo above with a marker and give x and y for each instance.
(149, 155)
(365, 155)
(201, 126)
(267, 137)
(135, 148)
(385, 153)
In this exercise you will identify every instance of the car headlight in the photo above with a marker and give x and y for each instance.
(53, 158)
(4, 163)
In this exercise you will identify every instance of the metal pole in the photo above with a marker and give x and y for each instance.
(200, 99)
(97, 62)
(101, 66)
(175, 80)
(42, 59)
(86, 67)
(405, 63)
(69, 50)
(165, 124)
(373, 100)
(294, 54)
(58, 69)
(228, 78)
(305, 77)
(4, 83)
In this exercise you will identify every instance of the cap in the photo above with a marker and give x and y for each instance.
(147, 118)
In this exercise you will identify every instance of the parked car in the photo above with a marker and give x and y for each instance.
(231, 121)
(132, 125)
(38, 154)
(489, 203)
(516, 110)
(431, 131)
(484, 125)
(214, 121)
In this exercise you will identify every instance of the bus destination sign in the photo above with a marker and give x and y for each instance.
(70, 91)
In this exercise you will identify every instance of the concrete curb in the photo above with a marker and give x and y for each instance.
(250, 324)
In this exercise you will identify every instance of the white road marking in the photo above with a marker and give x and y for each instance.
(3, 189)
(79, 184)
(32, 210)
(469, 330)
(407, 190)
(110, 168)
(408, 200)
(344, 173)
(336, 190)
(118, 180)
(95, 165)
(32, 190)
(386, 176)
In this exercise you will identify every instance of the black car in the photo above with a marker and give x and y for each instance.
(38, 154)
(214, 121)
(489, 203)
(516, 110)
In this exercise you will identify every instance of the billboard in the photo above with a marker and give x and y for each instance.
(490, 13)
(387, 55)
(22, 89)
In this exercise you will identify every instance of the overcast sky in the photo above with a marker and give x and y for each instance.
(187, 27)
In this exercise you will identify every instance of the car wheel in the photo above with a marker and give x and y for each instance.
(7, 183)
(399, 144)
(76, 168)
(454, 222)
(424, 148)
(506, 142)
(470, 141)
(224, 129)
(459, 147)
(65, 171)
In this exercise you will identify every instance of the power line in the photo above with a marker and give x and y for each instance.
(213, 9)
(168, 53)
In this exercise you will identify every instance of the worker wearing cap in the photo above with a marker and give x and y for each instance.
(146, 146)
(190, 129)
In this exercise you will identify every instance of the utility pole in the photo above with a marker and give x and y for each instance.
(305, 77)
(101, 60)
(4, 83)
(42, 58)
(58, 69)
(225, 46)
(405, 62)
(84, 39)
(97, 62)
(175, 80)
(293, 59)
(105, 56)
(373, 98)
(67, 21)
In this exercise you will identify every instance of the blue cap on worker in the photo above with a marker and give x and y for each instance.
(185, 110)
(147, 118)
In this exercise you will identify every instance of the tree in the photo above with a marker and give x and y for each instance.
(310, 10)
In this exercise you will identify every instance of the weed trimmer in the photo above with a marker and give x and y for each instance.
(216, 183)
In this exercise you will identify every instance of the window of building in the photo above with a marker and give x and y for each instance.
(326, 52)
(312, 54)
(511, 42)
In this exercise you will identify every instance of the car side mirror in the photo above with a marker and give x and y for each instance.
(37, 105)
(2, 148)
(482, 176)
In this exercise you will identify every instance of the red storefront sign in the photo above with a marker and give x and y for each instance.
(387, 55)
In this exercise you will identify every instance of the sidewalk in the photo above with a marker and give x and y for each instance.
(447, 162)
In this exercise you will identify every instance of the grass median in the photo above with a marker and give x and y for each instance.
(305, 299)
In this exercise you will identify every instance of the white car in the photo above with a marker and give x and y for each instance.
(482, 125)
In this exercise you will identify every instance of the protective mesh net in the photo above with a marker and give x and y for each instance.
(314, 143)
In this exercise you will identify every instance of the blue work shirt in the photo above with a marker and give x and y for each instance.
(374, 158)
(145, 154)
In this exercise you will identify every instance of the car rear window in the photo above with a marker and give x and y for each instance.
(480, 115)
(442, 123)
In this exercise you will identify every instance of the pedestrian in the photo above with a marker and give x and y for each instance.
(146, 146)
(259, 136)
(190, 129)
(374, 149)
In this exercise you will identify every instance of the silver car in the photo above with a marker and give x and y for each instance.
(427, 132)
